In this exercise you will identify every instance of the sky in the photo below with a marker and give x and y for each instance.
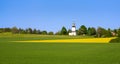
(52, 15)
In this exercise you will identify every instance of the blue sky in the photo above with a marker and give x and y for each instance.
(51, 15)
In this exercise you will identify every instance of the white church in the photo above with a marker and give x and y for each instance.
(73, 31)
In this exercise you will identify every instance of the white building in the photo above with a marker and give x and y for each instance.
(73, 32)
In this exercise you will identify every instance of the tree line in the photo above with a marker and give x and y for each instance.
(83, 30)
(91, 31)
(16, 30)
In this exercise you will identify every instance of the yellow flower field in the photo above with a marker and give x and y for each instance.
(89, 40)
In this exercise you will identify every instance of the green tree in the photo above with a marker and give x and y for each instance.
(6, 30)
(50, 33)
(1, 30)
(108, 34)
(44, 32)
(115, 31)
(64, 31)
(101, 32)
(77, 32)
(30, 30)
(34, 31)
(91, 31)
(82, 30)
(69, 30)
(38, 32)
(118, 32)
(15, 30)
(21, 31)
(26, 31)
(57, 33)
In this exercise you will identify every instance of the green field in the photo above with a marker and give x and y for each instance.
(60, 53)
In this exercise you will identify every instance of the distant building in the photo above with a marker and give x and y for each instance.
(73, 31)
(114, 34)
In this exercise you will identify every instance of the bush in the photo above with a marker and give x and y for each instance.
(50, 33)
(119, 35)
(117, 40)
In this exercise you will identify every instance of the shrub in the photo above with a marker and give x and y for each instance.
(117, 40)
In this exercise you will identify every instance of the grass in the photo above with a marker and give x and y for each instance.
(62, 53)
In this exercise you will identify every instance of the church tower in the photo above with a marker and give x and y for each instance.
(73, 33)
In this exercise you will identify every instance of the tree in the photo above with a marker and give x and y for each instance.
(34, 31)
(64, 31)
(118, 32)
(99, 31)
(57, 33)
(15, 30)
(1, 30)
(69, 30)
(91, 31)
(6, 30)
(77, 32)
(44, 32)
(38, 32)
(115, 31)
(50, 33)
(30, 30)
(108, 34)
(82, 30)
(26, 31)
(21, 31)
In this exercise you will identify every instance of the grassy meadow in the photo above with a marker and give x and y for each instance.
(55, 53)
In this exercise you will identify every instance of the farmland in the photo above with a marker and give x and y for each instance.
(55, 53)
